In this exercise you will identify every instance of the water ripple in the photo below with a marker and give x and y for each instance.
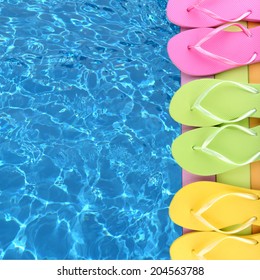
(85, 163)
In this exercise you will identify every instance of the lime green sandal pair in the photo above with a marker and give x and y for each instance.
(221, 144)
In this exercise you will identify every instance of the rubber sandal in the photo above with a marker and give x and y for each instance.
(213, 150)
(206, 13)
(208, 102)
(207, 51)
(215, 246)
(211, 206)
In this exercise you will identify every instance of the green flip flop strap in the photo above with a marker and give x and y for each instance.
(197, 105)
(204, 148)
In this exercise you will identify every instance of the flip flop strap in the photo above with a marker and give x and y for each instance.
(197, 104)
(198, 214)
(204, 148)
(201, 253)
(215, 16)
(198, 46)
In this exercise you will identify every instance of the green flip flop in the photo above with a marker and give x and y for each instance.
(213, 150)
(209, 102)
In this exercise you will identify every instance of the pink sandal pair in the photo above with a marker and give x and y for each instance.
(207, 51)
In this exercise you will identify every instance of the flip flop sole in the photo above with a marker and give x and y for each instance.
(188, 245)
(178, 12)
(234, 144)
(226, 101)
(224, 44)
(231, 210)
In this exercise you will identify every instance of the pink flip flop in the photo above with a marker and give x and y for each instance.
(208, 51)
(209, 13)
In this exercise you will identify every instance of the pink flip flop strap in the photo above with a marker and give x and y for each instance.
(216, 16)
(198, 46)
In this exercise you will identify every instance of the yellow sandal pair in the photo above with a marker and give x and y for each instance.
(219, 212)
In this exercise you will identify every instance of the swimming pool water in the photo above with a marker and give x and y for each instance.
(85, 165)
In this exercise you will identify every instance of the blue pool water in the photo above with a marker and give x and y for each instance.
(85, 165)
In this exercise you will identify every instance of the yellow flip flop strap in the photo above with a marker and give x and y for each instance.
(201, 253)
(198, 214)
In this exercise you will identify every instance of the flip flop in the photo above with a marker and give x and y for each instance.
(205, 13)
(207, 51)
(208, 102)
(215, 246)
(213, 150)
(211, 206)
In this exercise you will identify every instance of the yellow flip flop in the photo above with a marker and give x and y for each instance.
(212, 206)
(215, 246)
